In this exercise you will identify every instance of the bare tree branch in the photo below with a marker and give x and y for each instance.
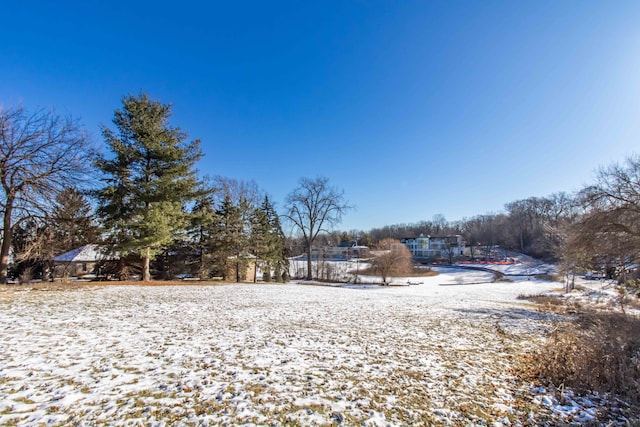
(40, 153)
(312, 206)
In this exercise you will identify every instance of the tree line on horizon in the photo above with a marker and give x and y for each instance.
(596, 228)
(151, 205)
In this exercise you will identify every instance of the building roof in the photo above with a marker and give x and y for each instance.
(87, 253)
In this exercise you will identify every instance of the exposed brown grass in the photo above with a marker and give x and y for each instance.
(73, 285)
(592, 352)
(159, 283)
(415, 272)
(553, 303)
(543, 299)
(549, 277)
(422, 272)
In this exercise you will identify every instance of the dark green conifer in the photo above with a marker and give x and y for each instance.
(268, 241)
(148, 180)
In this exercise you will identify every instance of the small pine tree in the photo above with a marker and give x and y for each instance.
(72, 221)
(230, 240)
(67, 226)
(268, 240)
(202, 232)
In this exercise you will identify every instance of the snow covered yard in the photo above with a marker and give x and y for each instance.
(270, 355)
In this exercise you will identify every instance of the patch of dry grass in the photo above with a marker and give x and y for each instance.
(78, 286)
(417, 271)
(552, 303)
(592, 352)
(543, 299)
(549, 277)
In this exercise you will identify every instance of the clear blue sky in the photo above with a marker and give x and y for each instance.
(414, 108)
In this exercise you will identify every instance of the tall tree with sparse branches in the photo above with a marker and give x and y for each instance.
(148, 180)
(313, 206)
(609, 229)
(41, 152)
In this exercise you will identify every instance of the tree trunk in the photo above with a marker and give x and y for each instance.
(309, 262)
(146, 273)
(7, 237)
(573, 280)
(521, 242)
(357, 270)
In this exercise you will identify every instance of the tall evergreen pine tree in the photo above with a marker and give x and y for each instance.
(148, 181)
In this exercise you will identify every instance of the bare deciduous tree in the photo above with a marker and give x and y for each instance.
(396, 259)
(311, 207)
(41, 152)
(237, 190)
(607, 234)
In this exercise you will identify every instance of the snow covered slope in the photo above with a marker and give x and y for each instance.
(268, 355)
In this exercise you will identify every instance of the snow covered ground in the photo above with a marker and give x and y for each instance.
(274, 354)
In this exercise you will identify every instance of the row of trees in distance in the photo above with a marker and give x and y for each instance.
(144, 200)
(147, 203)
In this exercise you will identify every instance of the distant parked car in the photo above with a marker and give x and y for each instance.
(594, 275)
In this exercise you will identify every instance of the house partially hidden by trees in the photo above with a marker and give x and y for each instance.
(80, 262)
(93, 261)
(345, 250)
(432, 246)
(41, 153)
(242, 269)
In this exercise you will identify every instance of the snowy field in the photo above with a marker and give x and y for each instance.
(272, 355)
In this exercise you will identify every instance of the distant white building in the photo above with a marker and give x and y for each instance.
(431, 246)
